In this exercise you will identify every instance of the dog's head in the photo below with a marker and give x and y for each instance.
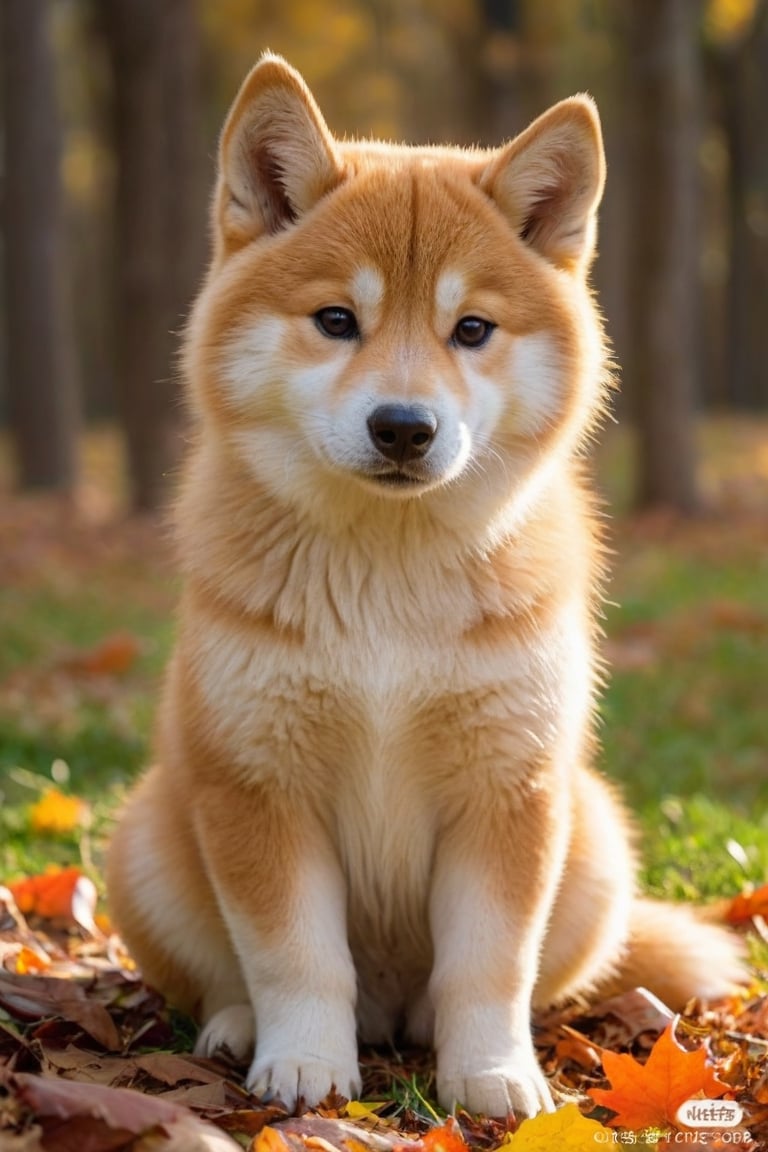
(392, 321)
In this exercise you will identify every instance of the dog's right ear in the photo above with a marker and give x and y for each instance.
(277, 157)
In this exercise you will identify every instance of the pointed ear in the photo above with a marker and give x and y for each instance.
(548, 181)
(277, 157)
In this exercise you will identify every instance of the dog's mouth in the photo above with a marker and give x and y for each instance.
(397, 478)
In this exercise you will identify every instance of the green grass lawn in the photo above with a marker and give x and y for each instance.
(684, 718)
(684, 722)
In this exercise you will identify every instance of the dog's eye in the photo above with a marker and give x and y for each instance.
(338, 323)
(472, 332)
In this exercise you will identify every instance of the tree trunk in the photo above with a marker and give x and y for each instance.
(664, 101)
(160, 224)
(42, 401)
(516, 84)
(744, 98)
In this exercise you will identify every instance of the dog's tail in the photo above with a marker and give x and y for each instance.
(676, 952)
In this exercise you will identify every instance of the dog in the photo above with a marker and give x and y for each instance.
(372, 811)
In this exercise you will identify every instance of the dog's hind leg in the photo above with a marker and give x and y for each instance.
(589, 926)
(162, 903)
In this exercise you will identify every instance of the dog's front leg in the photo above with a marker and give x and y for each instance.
(282, 895)
(496, 872)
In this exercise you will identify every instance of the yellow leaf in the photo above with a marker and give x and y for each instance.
(55, 812)
(567, 1130)
(360, 1110)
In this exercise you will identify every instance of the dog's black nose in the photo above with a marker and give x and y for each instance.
(402, 432)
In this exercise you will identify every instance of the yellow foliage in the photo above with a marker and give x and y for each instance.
(727, 21)
(54, 812)
(565, 1129)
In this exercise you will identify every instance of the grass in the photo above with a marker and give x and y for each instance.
(68, 587)
(684, 725)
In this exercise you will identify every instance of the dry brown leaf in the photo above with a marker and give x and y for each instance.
(631, 1014)
(39, 997)
(172, 1069)
(99, 1114)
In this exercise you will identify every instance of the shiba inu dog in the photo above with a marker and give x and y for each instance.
(372, 807)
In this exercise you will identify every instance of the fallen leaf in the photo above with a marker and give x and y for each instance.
(41, 997)
(83, 907)
(73, 1063)
(649, 1095)
(48, 895)
(446, 1138)
(735, 616)
(345, 1135)
(172, 1069)
(747, 904)
(249, 1122)
(115, 1111)
(364, 1110)
(55, 813)
(115, 654)
(30, 960)
(270, 1140)
(574, 1048)
(58, 894)
(625, 1017)
(11, 919)
(565, 1129)
(211, 1099)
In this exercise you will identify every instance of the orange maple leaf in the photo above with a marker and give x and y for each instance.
(446, 1138)
(748, 904)
(58, 894)
(649, 1095)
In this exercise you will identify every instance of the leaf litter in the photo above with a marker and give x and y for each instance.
(93, 1060)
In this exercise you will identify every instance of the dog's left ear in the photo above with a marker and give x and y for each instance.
(548, 181)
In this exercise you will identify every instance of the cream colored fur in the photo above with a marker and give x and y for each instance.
(372, 806)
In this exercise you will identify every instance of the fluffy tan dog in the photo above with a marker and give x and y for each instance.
(372, 806)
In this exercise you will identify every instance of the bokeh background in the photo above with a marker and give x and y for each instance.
(111, 110)
(110, 115)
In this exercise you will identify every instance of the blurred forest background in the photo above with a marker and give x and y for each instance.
(111, 110)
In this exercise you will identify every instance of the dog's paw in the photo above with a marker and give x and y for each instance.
(303, 1078)
(229, 1030)
(496, 1092)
